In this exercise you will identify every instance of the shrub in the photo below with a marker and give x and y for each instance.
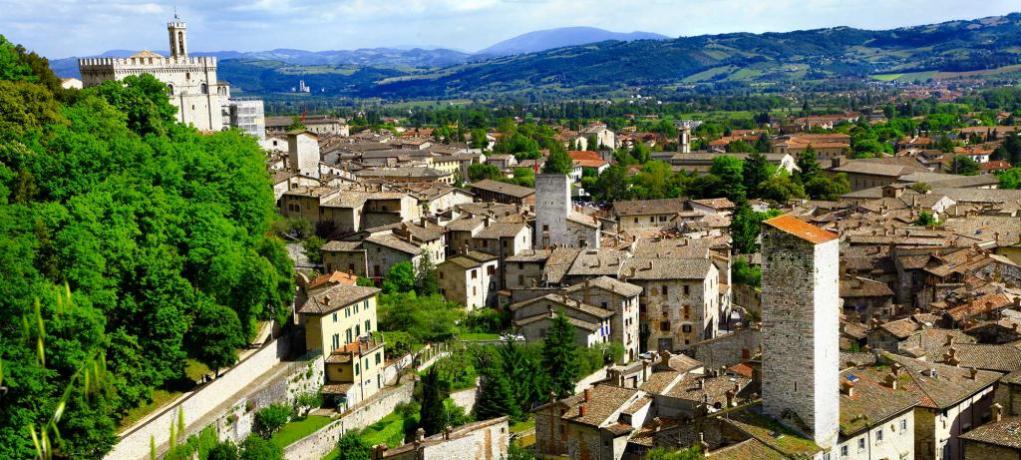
(256, 448)
(353, 447)
(270, 419)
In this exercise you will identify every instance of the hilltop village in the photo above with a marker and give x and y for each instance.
(825, 284)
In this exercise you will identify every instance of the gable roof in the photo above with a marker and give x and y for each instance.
(334, 298)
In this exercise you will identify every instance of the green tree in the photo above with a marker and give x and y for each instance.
(611, 185)
(353, 446)
(143, 99)
(558, 162)
(480, 171)
(312, 247)
(730, 170)
(400, 278)
(496, 396)
(224, 451)
(432, 416)
(821, 187)
(926, 219)
(427, 282)
(271, 419)
(296, 124)
(780, 188)
(560, 356)
(756, 170)
(1010, 179)
(965, 166)
(216, 336)
(256, 448)
(808, 165)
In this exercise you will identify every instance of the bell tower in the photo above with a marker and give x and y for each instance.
(178, 32)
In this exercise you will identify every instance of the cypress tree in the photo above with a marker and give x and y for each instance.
(560, 356)
(496, 396)
(432, 415)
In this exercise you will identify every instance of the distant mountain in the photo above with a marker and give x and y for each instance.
(981, 48)
(407, 59)
(542, 40)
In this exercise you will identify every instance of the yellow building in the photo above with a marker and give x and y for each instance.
(337, 315)
(354, 372)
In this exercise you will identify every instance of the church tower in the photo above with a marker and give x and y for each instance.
(178, 32)
(800, 327)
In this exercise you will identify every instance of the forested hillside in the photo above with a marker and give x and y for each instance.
(129, 244)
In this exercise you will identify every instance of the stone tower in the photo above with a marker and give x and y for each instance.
(684, 140)
(800, 327)
(552, 206)
(178, 32)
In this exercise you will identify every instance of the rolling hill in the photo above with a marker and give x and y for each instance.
(703, 63)
(542, 40)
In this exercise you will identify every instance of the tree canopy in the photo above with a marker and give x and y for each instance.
(158, 232)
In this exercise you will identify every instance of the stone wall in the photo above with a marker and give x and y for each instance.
(199, 404)
(318, 444)
(465, 398)
(727, 350)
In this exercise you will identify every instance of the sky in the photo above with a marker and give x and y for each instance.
(63, 28)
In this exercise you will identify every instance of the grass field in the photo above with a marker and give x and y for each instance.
(389, 430)
(478, 336)
(160, 398)
(298, 429)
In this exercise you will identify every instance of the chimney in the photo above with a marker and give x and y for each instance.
(950, 341)
(974, 373)
(997, 412)
(891, 381)
(581, 410)
(419, 435)
(701, 384)
(588, 394)
(896, 367)
(658, 423)
(848, 388)
(730, 398)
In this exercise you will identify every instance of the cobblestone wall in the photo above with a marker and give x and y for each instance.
(727, 350)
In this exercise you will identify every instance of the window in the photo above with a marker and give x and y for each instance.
(545, 227)
(368, 326)
(687, 311)
(843, 451)
(663, 290)
(334, 317)
(687, 290)
(347, 335)
(336, 341)
(171, 89)
(205, 88)
(903, 426)
(664, 326)
(686, 328)
(365, 304)
(358, 330)
(441, 275)
(358, 368)
(861, 444)
(475, 274)
(879, 435)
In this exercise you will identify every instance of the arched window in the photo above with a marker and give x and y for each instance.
(171, 88)
(205, 88)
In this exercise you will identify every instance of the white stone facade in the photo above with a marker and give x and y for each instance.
(894, 440)
(800, 332)
(191, 81)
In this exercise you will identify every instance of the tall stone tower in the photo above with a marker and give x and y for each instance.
(684, 140)
(552, 206)
(178, 32)
(800, 327)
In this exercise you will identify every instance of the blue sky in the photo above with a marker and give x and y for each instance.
(61, 28)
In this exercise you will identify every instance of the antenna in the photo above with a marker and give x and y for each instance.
(175, 12)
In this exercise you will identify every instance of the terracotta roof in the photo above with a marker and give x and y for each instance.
(333, 278)
(748, 449)
(608, 284)
(800, 229)
(872, 402)
(603, 402)
(334, 298)
(1006, 433)
(587, 158)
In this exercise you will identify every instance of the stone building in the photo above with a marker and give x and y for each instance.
(483, 440)
(680, 298)
(622, 299)
(556, 222)
(469, 279)
(191, 81)
(533, 318)
(800, 327)
(1000, 439)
